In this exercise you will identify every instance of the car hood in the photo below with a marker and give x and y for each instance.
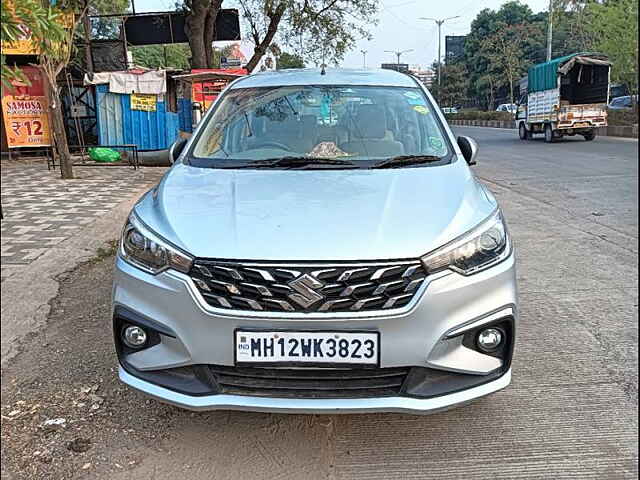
(316, 215)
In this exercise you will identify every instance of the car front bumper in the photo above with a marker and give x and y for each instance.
(423, 338)
(308, 405)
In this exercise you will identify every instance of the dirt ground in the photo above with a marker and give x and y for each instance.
(65, 414)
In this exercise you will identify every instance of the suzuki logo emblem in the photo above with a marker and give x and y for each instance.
(305, 287)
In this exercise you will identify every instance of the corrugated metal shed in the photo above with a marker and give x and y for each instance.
(109, 105)
(118, 124)
(185, 114)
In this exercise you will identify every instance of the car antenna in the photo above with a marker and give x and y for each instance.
(323, 71)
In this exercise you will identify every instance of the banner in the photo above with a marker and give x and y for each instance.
(26, 112)
(144, 102)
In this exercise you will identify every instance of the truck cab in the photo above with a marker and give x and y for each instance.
(566, 96)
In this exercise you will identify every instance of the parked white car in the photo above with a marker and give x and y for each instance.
(286, 265)
(507, 107)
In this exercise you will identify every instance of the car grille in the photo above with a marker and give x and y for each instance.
(308, 288)
(310, 383)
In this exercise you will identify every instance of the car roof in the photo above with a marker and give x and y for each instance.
(332, 76)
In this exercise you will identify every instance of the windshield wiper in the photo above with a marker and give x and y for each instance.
(406, 160)
(300, 162)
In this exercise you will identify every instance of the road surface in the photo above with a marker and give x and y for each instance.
(571, 411)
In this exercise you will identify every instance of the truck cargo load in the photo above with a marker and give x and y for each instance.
(565, 96)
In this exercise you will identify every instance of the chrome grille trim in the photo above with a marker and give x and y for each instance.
(377, 287)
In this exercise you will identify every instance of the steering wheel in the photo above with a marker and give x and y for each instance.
(270, 143)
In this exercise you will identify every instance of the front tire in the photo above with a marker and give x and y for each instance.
(548, 133)
(523, 133)
(590, 136)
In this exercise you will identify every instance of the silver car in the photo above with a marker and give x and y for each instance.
(319, 245)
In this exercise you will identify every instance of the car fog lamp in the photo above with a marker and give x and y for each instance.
(490, 339)
(134, 336)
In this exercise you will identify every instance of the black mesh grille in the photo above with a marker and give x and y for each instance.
(310, 383)
(317, 288)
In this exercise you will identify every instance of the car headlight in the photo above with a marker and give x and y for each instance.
(485, 246)
(144, 249)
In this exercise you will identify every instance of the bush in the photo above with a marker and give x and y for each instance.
(621, 118)
(479, 115)
(617, 118)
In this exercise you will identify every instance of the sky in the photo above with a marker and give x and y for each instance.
(400, 27)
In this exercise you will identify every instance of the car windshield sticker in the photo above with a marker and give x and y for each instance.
(421, 109)
(436, 143)
(414, 98)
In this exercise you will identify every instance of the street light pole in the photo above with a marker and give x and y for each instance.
(439, 22)
(364, 58)
(550, 31)
(398, 54)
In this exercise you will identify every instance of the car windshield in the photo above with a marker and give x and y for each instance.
(332, 125)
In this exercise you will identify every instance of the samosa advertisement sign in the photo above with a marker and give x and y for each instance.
(26, 112)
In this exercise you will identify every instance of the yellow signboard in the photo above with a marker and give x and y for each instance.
(144, 102)
(25, 43)
(23, 46)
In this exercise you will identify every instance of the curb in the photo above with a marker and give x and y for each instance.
(610, 131)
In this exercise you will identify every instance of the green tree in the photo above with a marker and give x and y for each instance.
(23, 18)
(506, 52)
(52, 31)
(162, 56)
(613, 25)
(455, 83)
(55, 55)
(320, 30)
(490, 23)
(287, 60)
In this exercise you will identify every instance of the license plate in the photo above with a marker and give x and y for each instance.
(306, 348)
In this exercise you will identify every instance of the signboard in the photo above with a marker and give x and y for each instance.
(398, 67)
(207, 92)
(25, 44)
(26, 112)
(169, 27)
(230, 62)
(143, 101)
(454, 47)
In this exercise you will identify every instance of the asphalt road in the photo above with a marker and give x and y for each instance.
(571, 411)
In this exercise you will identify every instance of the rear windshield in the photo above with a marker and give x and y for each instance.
(358, 124)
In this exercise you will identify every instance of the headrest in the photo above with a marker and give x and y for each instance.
(370, 122)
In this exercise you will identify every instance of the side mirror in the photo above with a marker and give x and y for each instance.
(469, 149)
(176, 149)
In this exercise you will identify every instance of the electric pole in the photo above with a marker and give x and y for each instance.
(364, 58)
(550, 31)
(398, 54)
(439, 23)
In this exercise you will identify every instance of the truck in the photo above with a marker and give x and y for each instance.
(565, 96)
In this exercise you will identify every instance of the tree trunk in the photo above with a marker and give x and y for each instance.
(195, 29)
(261, 48)
(58, 132)
(210, 31)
